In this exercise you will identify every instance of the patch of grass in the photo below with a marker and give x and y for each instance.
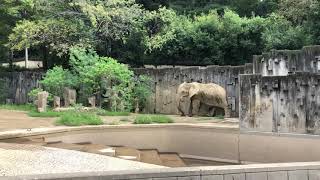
(78, 119)
(23, 107)
(205, 118)
(114, 123)
(45, 114)
(125, 119)
(111, 113)
(149, 119)
(219, 117)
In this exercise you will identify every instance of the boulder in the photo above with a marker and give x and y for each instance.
(56, 102)
(42, 101)
(69, 96)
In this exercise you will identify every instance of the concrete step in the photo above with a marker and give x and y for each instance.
(99, 149)
(171, 160)
(62, 145)
(150, 156)
(127, 153)
(33, 141)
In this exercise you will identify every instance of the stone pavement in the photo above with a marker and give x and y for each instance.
(23, 159)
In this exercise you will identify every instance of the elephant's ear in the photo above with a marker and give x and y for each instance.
(193, 91)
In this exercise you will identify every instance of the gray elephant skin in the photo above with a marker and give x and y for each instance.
(191, 96)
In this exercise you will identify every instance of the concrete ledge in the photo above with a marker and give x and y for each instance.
(201, 141)
(291, 171)
(53, 130)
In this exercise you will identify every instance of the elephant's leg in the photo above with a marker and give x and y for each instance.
(190, 107)
(226, 110)
(196, 106)
(180, 110)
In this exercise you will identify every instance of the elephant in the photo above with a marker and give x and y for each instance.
(192, 95)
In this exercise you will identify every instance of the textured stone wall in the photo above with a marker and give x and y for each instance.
(16, 85)
(284, 104)
(167, 80)
(284, 62)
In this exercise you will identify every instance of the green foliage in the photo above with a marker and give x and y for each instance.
(210, 39)
(297, 11)
(33, 94)
(149, 119)
(142, 89)
(35, 113)
(191, 32)
(79, 119)
(56, 79)
(103, 74)
(219, 117)
(23, 107)
(281, 34)
(102, 112)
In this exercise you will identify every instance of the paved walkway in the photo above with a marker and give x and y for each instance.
(22, 159)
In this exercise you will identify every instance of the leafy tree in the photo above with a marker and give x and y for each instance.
(281, 34)
(10, 12)
(103, 76)
(297, 11)
(59, 25)
(210, 39)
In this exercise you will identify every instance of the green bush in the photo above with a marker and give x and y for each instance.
(78, 119)
(111, 113)
(45, 114)
(142, 90)
(23, 107)
(149, 119)
(57, 79)
(33, 94)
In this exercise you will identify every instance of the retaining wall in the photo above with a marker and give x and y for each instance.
(208, 142)
(17, 85)
(199, 141)
(280, 103)
(285, 62)
(166, 81)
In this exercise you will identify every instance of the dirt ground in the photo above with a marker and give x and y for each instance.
(10, 120)
(20, 120)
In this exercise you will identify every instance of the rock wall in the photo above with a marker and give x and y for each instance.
(16, 85)
(166, 80)
(283, 94)
(285, 62)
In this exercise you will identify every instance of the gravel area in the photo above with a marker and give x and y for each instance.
(19, 159)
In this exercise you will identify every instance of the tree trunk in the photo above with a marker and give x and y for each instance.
(45, 58)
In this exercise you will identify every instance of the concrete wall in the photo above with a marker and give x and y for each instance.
(284, 104)
(16, 85)
(193, 141)
(294, 171)
(197, 140)
(284, 62)
(166, 81)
